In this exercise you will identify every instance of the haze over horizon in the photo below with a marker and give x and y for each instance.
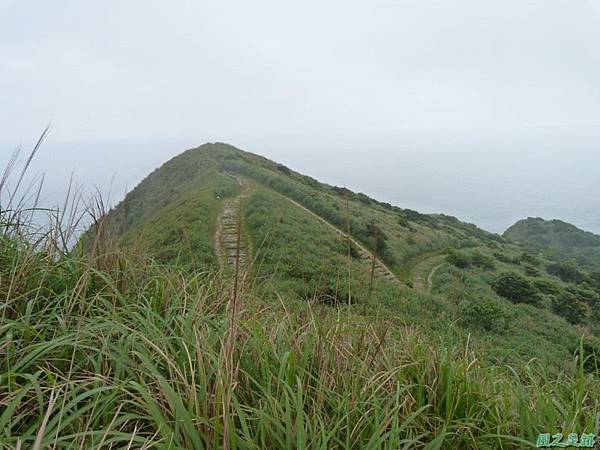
(485, 110)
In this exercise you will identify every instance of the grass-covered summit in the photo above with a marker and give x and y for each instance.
(176, 206)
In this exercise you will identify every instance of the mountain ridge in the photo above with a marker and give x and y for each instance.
(218, 158)
(311, 241)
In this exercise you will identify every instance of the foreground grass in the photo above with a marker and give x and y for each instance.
(117, 352)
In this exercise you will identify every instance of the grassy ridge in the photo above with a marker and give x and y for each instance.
(298, 257)
(406, 232)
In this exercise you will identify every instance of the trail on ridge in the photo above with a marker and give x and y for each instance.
(231, 243)
(365, 255)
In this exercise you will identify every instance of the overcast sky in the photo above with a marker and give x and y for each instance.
(156, 69)
(262, 73)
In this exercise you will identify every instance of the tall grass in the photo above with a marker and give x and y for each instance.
(109, 349)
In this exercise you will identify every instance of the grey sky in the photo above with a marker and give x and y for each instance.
(129, 84)
(155, 69)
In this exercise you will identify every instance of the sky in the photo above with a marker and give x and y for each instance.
(128, 84)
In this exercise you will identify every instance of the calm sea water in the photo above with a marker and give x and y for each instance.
(491, 179)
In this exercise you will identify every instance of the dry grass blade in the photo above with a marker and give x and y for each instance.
(37, 445)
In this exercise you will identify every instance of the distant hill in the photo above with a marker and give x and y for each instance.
(559, 237)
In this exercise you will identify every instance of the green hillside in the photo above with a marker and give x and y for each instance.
(193, 184)
(230, 302)
(430, 271)
(559, 238)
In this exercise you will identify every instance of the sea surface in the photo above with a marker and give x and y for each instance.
(491, 179)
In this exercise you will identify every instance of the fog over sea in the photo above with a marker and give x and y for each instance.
(491, 178)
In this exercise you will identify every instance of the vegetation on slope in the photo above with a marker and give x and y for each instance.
(559, 239)
(202, 173)
(116, 351)
(505, 293)
(132, 340)
(297, 257)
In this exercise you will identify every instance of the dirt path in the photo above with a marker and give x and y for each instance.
(423, 270)
(365, 255)
(431, 275)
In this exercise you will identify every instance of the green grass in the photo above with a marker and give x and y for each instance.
(525, 331)
(136, 358)
(297, 255)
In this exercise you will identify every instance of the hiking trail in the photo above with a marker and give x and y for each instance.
(231, 243)
(365, 255)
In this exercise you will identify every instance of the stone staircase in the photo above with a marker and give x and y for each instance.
(230, 232)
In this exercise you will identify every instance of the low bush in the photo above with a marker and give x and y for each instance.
(515, 288)
(531, 271)
(482, 261)
(503, 257)
(568, 306)
(484, 314)
(584, 294)
(528, 258)
(566, 272)
(459, 259)
(546, 286)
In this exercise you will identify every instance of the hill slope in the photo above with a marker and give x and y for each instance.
(305, 240)
(200, 178)
(558, 236)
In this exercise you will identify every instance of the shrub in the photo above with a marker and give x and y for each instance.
(568, 306)
(528, 258)
(502, 257)
(584, 294)
(531, 271)
(566, 272)
(515, 288)
(376, 237)
(352, 248)
(482, 261)
(483, 314)
(547, 287)
(342, 191)
(459, 259)
(404, 222)
(595, 280)
(284, 169)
